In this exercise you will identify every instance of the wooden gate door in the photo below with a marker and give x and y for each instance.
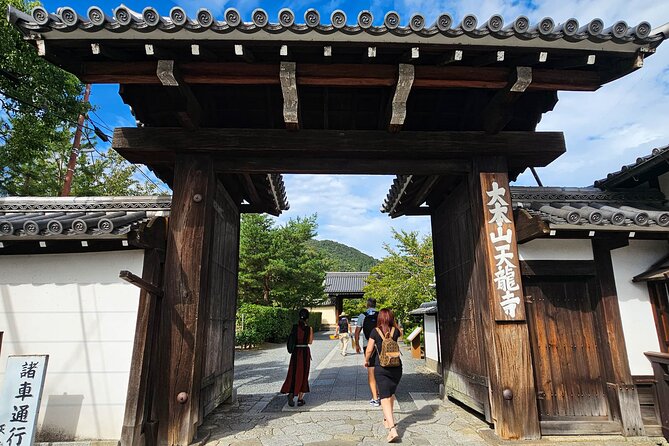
(567, 354)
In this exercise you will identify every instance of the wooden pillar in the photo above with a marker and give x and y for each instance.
(143, 365)
(184, 302)
(512, 388)
(483, 345)
(623, 395)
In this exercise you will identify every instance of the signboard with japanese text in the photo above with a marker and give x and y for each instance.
(20, 399)
(500, 239)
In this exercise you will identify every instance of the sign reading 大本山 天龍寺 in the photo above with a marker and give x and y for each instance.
(500, 239)
(20, 399)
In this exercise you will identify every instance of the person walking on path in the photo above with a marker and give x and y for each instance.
(343, 330)
(387, 366)
(366, 323)
(297, 380)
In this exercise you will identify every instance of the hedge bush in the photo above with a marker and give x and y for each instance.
(258, 323)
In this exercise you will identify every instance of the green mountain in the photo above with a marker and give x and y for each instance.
(343, 257)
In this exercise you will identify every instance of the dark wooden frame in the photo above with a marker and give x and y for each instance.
(655, 296)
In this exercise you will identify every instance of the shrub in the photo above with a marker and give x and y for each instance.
(271, 324)
(248, 338)
(315, 320)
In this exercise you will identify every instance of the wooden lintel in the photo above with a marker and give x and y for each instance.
(301, 165)
(290, 99)
(170, 76)
(536, 147)
(338, 75)
(402, 90)
(141, 283)
(529, 227)
(499, 111)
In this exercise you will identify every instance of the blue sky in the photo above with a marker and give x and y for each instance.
(604, 130)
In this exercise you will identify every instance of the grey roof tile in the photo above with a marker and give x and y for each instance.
(56, 217)
(124, 18)
(345, 282)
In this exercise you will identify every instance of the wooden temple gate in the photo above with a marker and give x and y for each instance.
(225, 107)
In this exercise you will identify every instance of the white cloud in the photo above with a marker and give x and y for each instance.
(348, 209)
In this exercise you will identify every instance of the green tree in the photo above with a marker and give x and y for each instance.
(404, 278)
(39, 107)
(277, 266)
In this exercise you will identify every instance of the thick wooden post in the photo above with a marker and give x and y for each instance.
(512, 387)
(485, 341)
(143, 366)
(622, 392)
(186, 281)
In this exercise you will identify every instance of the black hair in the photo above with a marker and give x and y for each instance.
(371, 302)
(303, 314)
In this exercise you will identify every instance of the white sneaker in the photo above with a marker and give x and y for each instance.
(375, 403)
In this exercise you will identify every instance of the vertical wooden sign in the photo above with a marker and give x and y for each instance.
(503, 266)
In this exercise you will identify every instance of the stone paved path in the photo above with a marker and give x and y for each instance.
(338, 413)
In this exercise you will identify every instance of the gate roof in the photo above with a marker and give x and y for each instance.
(231, 88)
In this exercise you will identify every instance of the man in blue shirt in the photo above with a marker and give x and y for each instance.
(366, 323)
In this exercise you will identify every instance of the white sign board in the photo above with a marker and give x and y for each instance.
(20, 399)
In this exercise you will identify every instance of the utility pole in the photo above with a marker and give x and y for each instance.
(72, 163)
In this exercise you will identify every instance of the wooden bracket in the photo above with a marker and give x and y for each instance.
(402, 90)
(141, 283)
(290, 99)
(499, 110)
(169, 76)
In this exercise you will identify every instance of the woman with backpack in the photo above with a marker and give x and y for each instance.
(297, 380)
(387, 366)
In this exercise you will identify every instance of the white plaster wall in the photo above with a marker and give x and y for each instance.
(74, 308)
(431, 338)
(555, 249)
(635, 307)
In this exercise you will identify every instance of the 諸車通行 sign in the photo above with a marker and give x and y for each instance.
(20, 399)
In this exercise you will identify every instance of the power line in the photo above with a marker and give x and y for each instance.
(134, 166)
(95, 130)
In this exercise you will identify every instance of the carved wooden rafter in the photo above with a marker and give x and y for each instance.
(290, 99)
(402, 90)
(499, 111)
(169, 76)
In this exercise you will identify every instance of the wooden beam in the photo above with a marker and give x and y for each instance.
(244, 53)
(499, 110)
(537, 148)
(338, 75)
(141, 283)
(290, 99)
(252, 192)
(399, 105)
(623, 396)
(169, 76)
(529, 227)
(346, 165)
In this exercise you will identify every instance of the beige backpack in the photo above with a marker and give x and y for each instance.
(389, 356)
